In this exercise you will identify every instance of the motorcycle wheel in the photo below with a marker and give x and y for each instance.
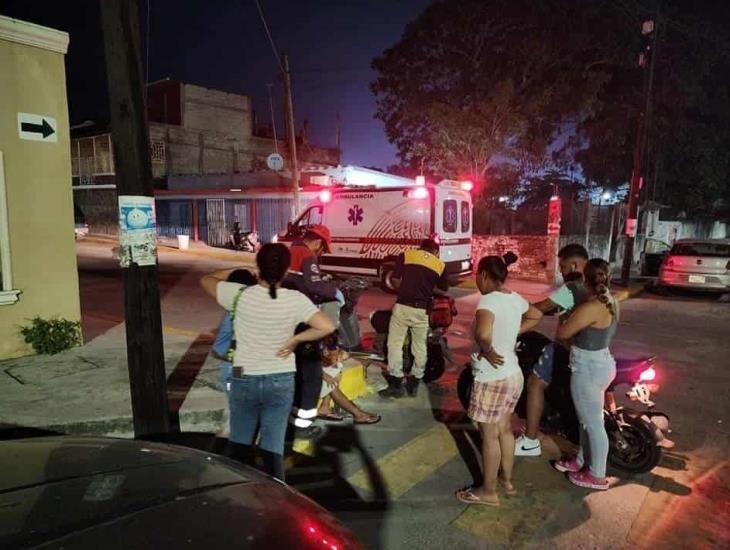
(641, 454)
(464, 386)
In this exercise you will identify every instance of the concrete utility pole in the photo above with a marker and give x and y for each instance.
(292, 133)
(648, 28)
(145, 354)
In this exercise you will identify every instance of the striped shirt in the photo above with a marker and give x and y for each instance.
(262, 325)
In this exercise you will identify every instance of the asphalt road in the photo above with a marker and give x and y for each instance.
(393, 483)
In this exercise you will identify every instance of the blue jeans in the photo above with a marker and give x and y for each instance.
(593, 372)
(263, 401)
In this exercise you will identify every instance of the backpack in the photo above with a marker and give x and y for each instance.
(442, 312)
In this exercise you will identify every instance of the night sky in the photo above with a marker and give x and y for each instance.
(222, 44)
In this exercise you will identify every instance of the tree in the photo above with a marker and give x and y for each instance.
(472, 81)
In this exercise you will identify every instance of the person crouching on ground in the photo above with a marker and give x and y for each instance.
(262, 378)
(305, 275)
(591, 328)
(498, 378)
(331, 373)
(421, 274)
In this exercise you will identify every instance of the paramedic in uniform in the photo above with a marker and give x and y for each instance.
(421, 274)
(306, 277)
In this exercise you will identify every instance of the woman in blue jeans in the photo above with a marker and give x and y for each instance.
(262, 378)
(591, 327)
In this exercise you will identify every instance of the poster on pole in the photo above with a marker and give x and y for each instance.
(137, 230)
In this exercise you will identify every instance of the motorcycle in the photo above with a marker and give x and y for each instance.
(243, 241)
(636, 437)
(441, 315)
(349, 332)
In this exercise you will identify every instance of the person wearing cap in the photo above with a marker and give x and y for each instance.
(422, 274)
(306, 276)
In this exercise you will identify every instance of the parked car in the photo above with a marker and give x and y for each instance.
(652, 257)
(697, 264)
(91, 492)
(81, 228)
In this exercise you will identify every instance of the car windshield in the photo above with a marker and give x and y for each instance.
(713, 250)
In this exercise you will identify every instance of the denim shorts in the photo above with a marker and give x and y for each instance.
(543, 369)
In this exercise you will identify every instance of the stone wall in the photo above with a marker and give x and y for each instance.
(536, 254)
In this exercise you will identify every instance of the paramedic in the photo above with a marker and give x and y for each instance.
(306, 277)
(421, 274)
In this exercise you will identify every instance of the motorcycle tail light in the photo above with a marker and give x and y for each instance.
(648, 375)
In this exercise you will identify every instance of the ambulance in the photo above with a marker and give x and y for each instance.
(373, 217)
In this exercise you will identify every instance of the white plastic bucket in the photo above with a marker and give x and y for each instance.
(183, 242)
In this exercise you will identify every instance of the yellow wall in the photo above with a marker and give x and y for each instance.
(38, 184)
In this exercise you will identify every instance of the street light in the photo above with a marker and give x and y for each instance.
(606, 196)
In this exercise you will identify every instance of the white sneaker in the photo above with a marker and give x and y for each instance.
(524, 446)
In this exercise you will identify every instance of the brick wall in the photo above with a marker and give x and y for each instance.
(536, 253)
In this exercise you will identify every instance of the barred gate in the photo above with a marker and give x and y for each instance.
(217, 228)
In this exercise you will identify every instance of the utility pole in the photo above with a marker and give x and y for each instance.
(292, 133)
(145, 354)
(649, 27)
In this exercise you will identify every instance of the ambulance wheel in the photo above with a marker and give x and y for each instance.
(387, 277)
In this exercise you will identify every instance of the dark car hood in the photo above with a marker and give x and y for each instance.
(111, 493)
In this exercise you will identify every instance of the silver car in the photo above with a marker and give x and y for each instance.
(701, 264)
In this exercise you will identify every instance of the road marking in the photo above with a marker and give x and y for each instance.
(165, 328)
(408, 465)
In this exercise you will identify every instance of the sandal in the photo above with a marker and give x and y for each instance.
(509, 492)
(372, 419)
(331, 417)
(467, 496)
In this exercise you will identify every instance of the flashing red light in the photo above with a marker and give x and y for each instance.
(420, 180)
(419, 193)
(325, 196)
(554, 198)
(648, 375)
(467, 186)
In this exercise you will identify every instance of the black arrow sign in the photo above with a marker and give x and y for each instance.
(44, 128)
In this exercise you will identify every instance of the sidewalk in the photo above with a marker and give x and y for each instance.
(86, 390)
(170, 246)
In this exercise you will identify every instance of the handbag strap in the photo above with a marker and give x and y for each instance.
(232, 313)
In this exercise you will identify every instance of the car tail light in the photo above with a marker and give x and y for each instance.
(319, 537)
(669, 262)
(648, 375)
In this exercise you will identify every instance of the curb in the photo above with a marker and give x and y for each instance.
(247, 258)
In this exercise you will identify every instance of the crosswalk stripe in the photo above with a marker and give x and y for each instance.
(408, 465)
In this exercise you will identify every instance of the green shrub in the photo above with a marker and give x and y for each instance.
(51, 336)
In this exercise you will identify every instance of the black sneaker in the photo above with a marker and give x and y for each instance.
(412, 384)
(394, 389)
(311, 432)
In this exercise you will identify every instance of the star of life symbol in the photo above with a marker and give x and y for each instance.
(355, 215)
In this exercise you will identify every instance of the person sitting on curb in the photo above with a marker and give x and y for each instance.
(572, 261)
(331, 374)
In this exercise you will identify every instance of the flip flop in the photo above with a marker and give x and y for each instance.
(509, 492)
(468, 497)
(331, 417)
(374, 419)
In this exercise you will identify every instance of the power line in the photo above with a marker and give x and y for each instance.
(268, 34)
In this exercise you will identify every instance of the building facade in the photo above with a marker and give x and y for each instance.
(199, 138)
(38, 275)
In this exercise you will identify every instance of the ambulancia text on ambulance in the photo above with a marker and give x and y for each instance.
(373, 217)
